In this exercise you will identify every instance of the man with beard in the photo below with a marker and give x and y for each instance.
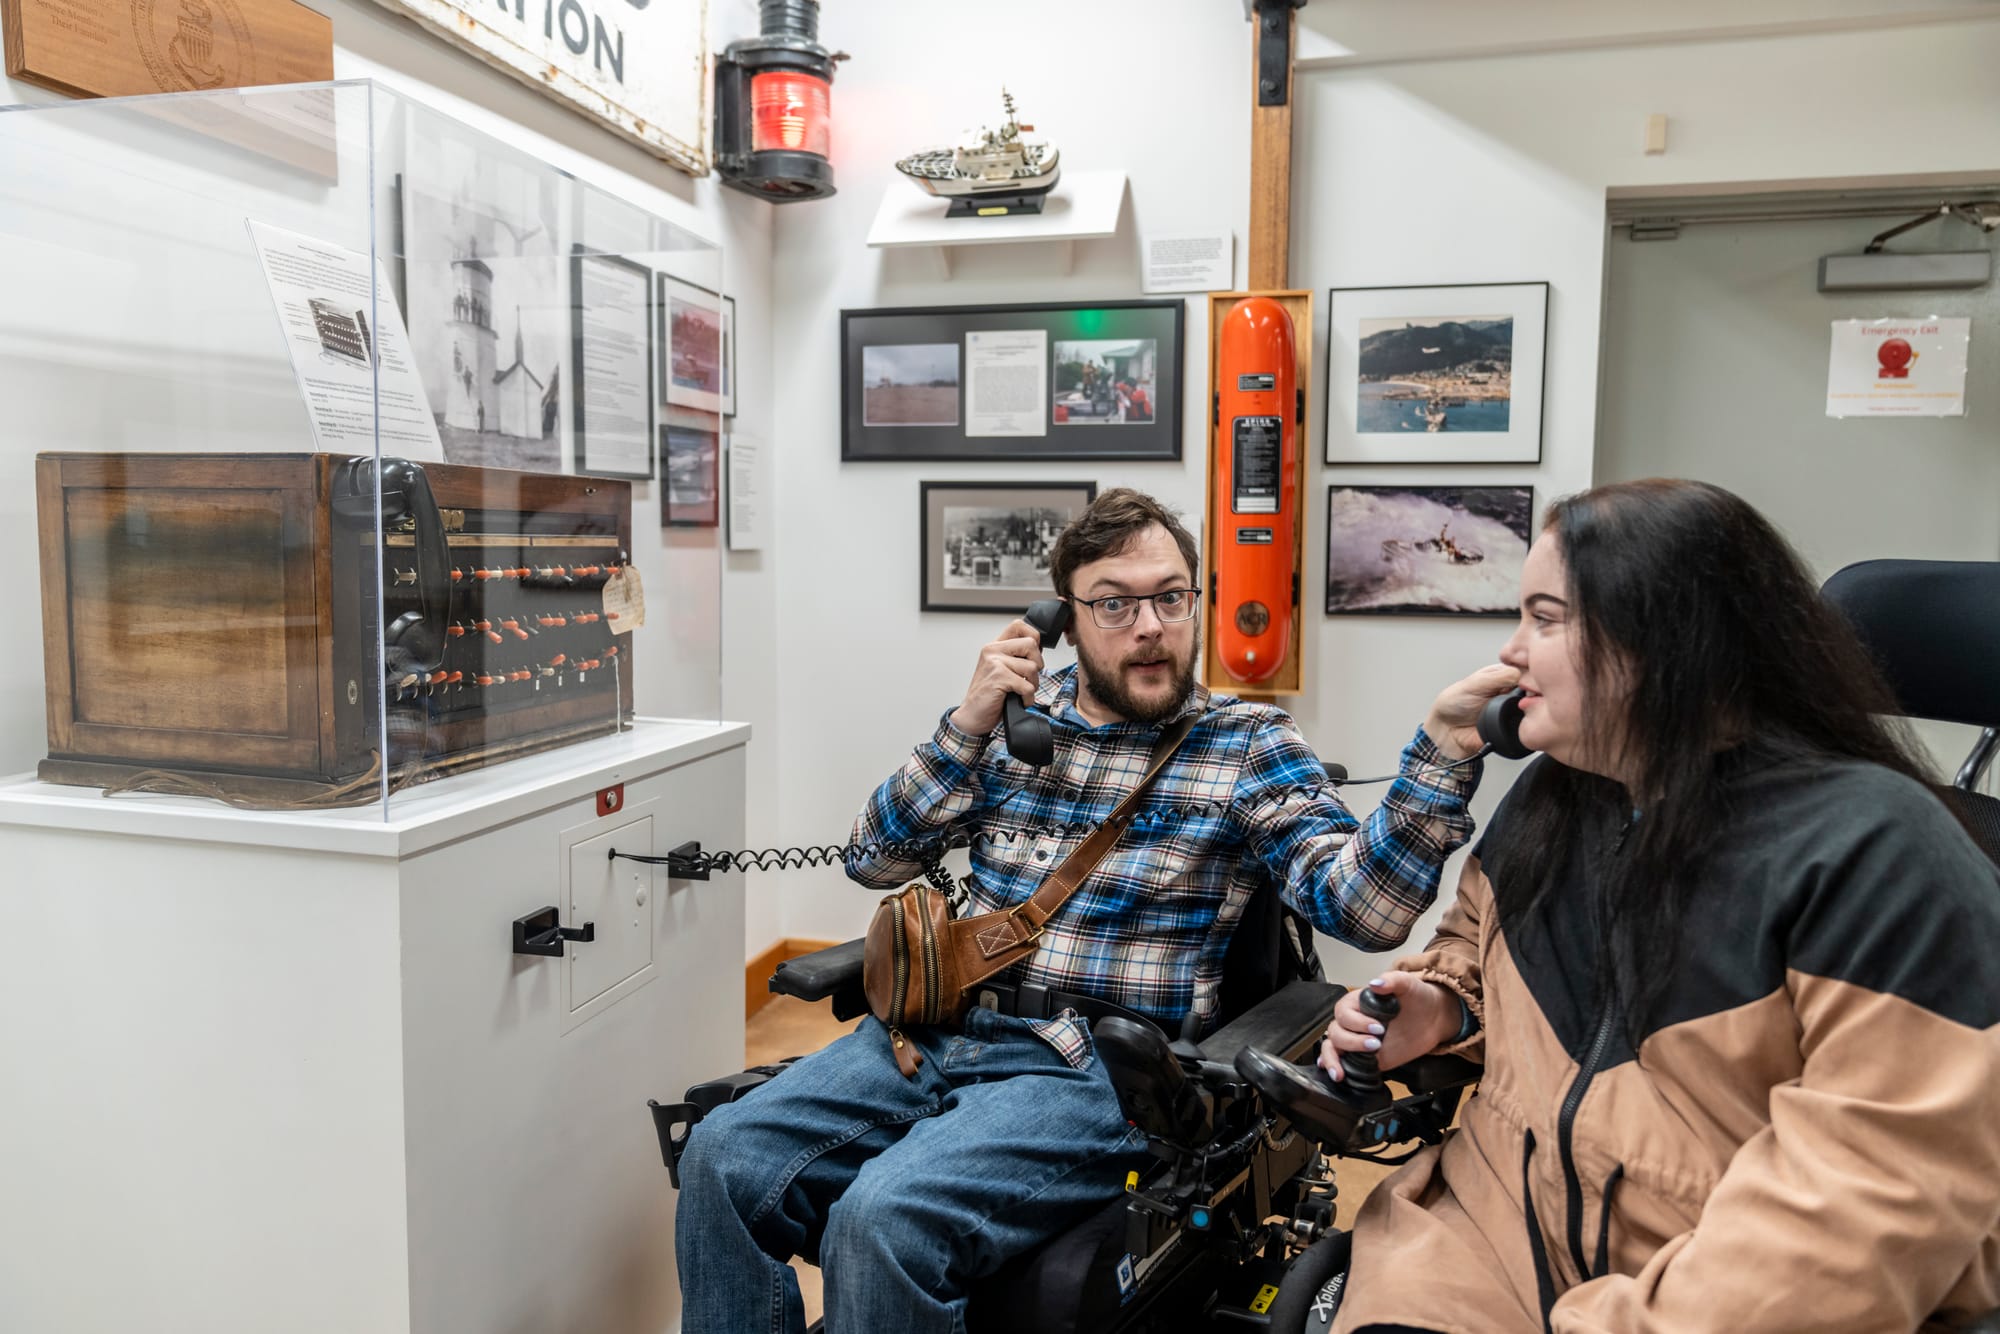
(1008, 1131)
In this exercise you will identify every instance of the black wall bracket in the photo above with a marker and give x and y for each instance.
(686, 862)
(1274, 50)
(542, 932)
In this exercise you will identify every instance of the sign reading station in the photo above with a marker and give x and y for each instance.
(638, 67)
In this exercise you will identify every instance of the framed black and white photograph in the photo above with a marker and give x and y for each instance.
(691, 357)
(1426, 550)
(985, 545)
(729, 356)
(1086, 380)
(483, 298)
(1436, 374)
(611, 337)
(691, 466)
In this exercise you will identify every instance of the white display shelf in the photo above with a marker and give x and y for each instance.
(421, 817)
(1083, 205)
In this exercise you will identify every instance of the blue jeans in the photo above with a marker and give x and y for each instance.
(904, 1190)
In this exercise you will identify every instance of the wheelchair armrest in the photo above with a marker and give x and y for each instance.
(1287, 1023)
(818, 975)
(833, 973)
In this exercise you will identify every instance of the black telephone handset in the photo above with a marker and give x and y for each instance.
(413, 637)
(1500, 726)
(1031, 738)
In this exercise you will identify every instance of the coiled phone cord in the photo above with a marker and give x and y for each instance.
(929, 850)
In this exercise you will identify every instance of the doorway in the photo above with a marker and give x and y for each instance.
(1715, 367)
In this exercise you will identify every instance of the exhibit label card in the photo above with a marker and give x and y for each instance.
(349, 348)
(1007, 382)
(1191, 262)
(1898, 367)
(748, 512)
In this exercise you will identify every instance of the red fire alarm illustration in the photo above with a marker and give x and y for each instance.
(1895, 355)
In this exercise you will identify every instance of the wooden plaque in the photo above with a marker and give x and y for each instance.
(111, 48)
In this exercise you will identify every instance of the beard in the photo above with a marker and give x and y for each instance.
(1106, 682)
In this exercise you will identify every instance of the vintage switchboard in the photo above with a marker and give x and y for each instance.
(230, 618)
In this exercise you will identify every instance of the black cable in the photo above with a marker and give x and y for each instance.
(1345, 781)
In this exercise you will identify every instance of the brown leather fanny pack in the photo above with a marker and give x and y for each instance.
(919, 963)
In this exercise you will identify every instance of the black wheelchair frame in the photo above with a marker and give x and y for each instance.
(1233, 1226)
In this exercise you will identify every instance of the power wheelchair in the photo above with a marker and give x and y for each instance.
(1232, 1227)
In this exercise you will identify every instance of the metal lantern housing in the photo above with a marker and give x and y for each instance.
(772, 96)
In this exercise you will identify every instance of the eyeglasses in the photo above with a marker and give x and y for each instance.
(1122, 609)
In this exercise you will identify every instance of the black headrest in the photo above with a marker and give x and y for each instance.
(1934, 628)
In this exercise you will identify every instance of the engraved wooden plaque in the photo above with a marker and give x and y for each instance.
(110, 48)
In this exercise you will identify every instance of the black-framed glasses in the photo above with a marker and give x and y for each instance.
(1122, 609)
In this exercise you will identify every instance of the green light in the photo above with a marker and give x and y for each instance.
(1089, 322)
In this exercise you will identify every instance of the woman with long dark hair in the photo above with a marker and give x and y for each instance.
(1732, 969)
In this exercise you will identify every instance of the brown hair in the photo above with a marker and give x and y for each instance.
(1112, 523)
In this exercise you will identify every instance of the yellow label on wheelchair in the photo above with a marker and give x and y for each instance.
(1265, 1296)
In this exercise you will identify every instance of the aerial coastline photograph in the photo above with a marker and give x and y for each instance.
(1435, 373)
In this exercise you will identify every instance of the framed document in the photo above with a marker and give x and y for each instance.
(1090, 380)
(611, 325)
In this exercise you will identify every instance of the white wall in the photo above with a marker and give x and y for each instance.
(1150, 88)
(372, 42)
(1516, 153)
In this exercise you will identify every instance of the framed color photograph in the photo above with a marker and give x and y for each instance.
(1436, 374)
(1426, 550)
(690, 346)
(1097, 380)
(985, 545)
(611, 339)
(691, 463)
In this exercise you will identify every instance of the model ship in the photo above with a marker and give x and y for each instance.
(990, 173)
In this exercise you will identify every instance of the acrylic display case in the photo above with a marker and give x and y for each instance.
(349, 450)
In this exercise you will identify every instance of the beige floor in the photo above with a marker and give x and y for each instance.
(789, 1027)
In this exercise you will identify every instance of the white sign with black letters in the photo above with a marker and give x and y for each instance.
(640, 67)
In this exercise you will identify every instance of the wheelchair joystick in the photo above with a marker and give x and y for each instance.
(1360, 1071)
(1325, 1109)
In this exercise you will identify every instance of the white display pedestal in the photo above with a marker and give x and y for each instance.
(270, 1071)
(1083, 204)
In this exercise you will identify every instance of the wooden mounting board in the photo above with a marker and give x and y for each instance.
(1290, 679)
(90, 48)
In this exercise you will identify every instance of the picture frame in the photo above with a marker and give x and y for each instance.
(691, 470)
(1426, 550)
(1444, 374)
(1086, 380)
(984, 545)
(690, 342)
(729, 356)
(612, 413)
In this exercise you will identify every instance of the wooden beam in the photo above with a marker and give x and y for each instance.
(1270, 176)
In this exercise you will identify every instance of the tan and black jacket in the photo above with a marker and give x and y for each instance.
(1807, 1139)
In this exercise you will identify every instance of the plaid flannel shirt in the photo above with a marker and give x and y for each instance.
(1149, 928)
